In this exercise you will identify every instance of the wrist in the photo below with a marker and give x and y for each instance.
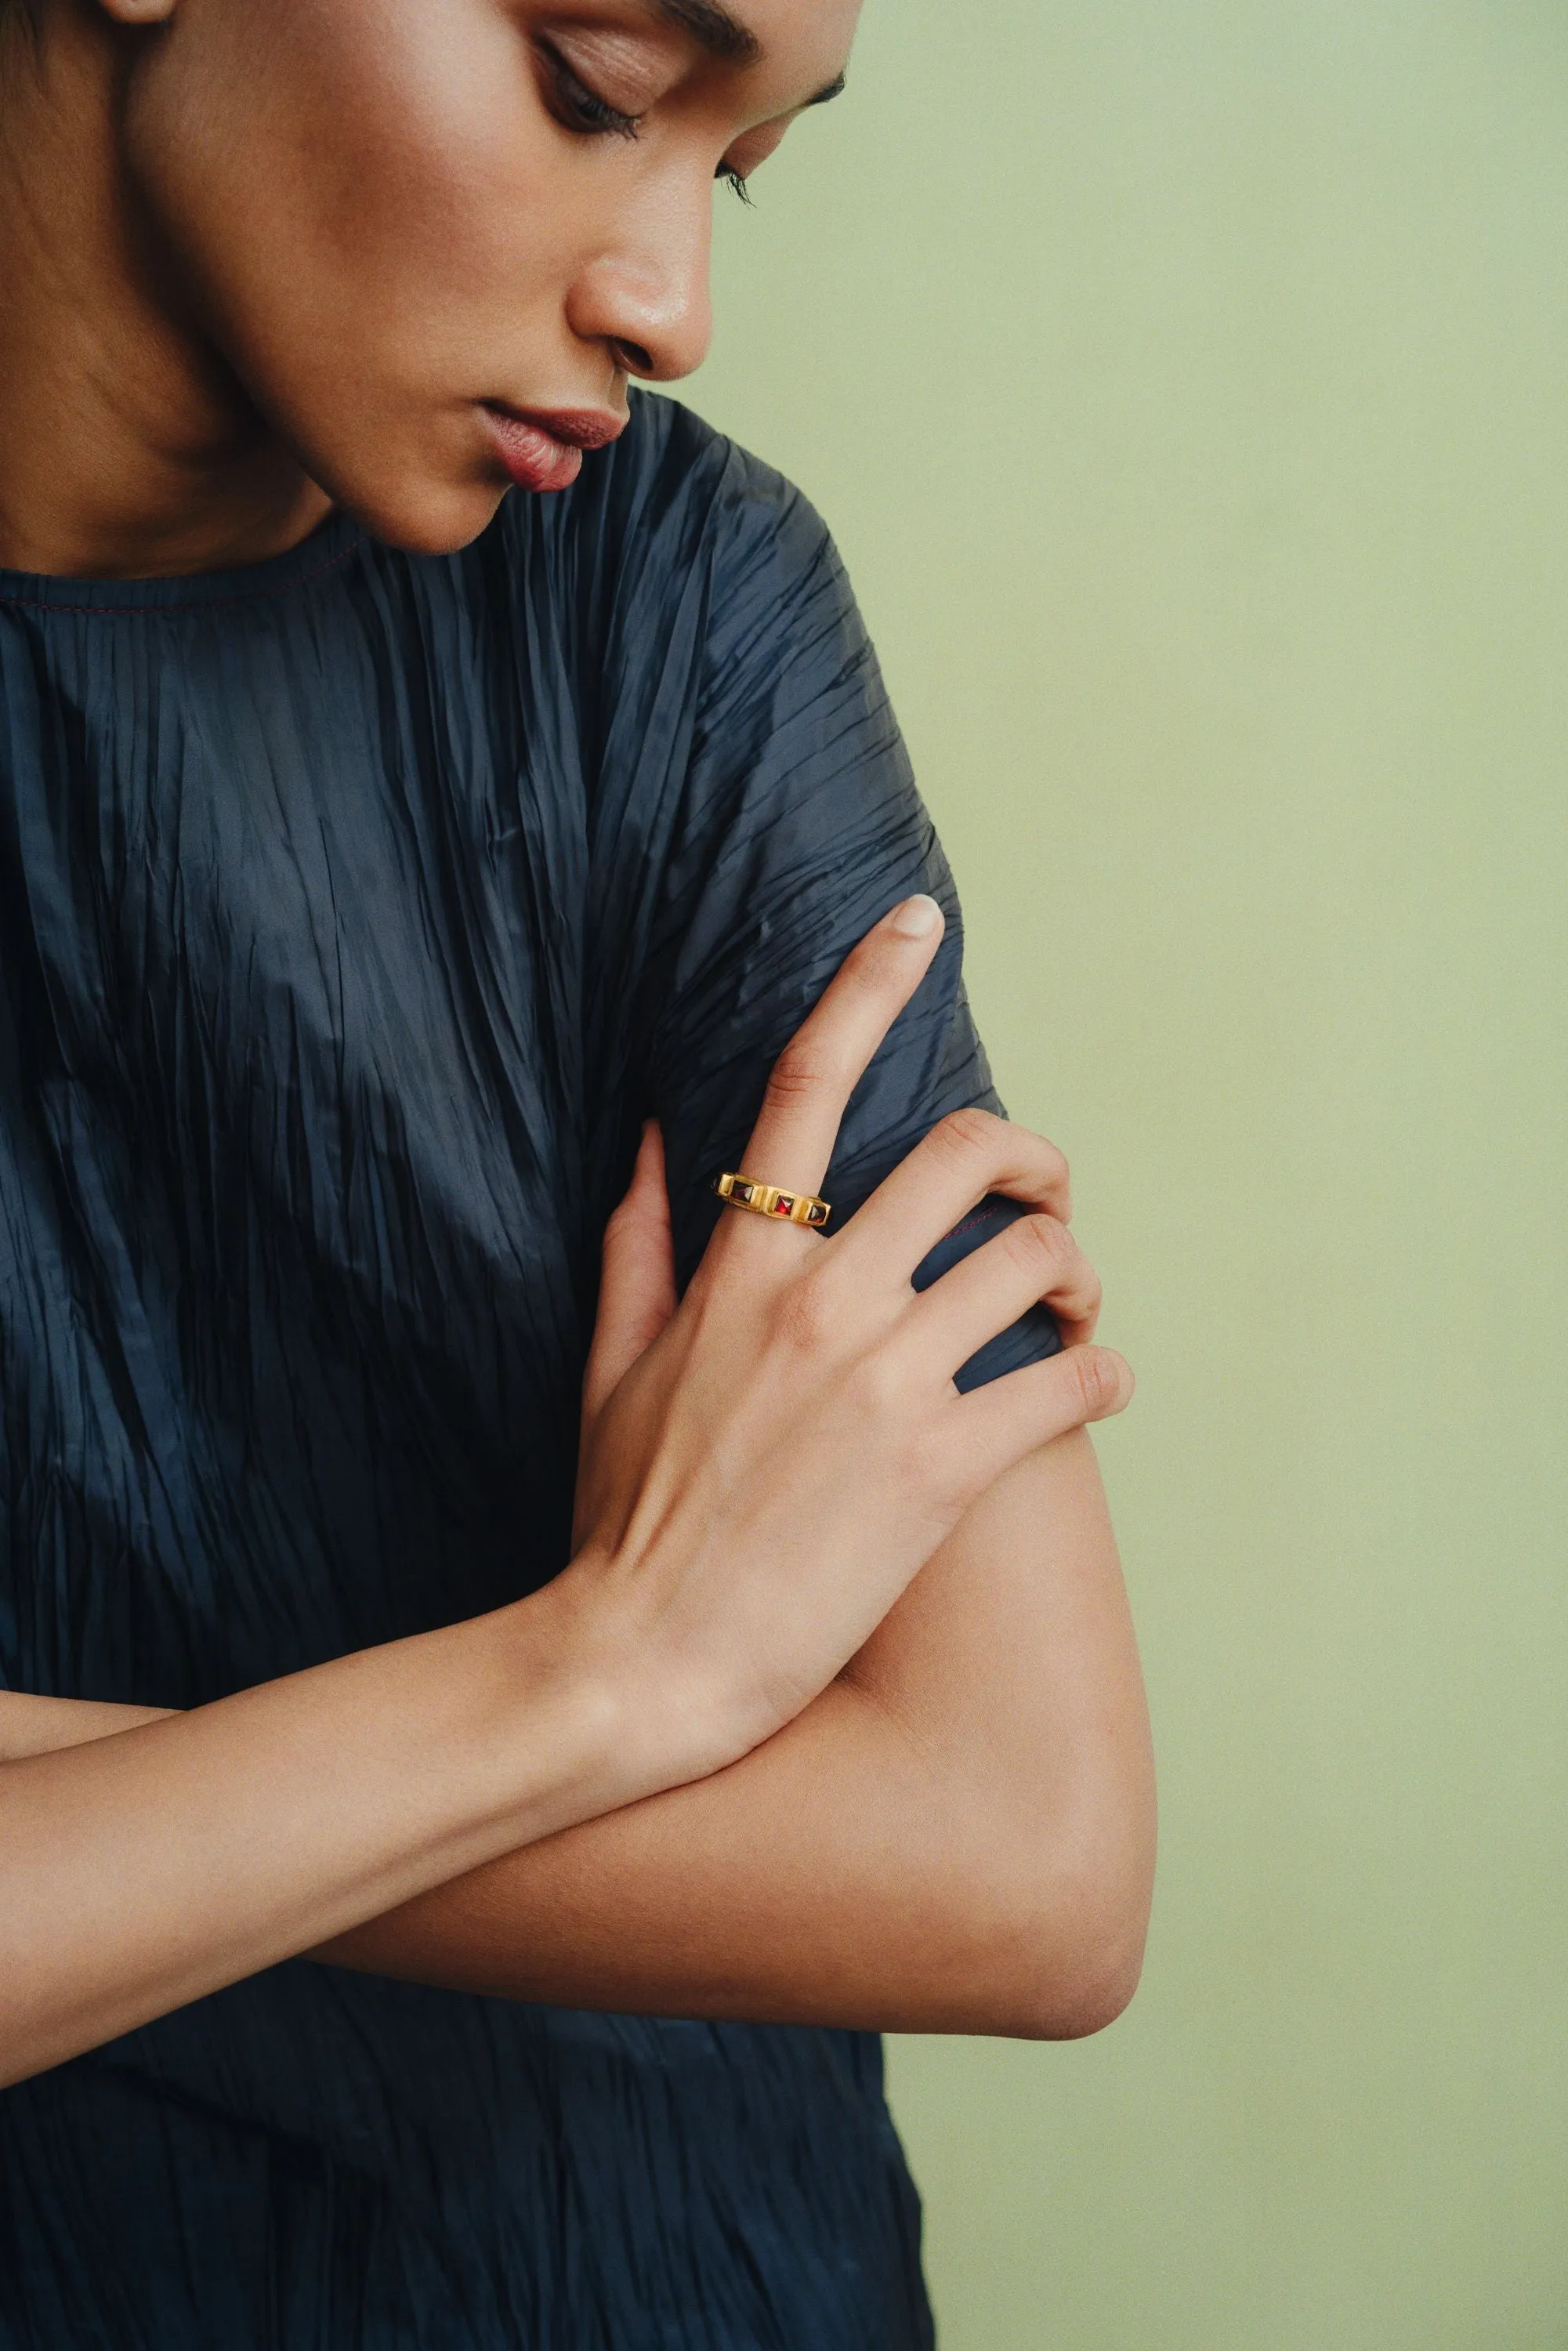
(635, 1715)
(572, 1735)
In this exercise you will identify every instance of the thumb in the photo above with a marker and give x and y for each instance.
(637, 1287)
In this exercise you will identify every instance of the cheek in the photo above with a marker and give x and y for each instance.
(364, 191)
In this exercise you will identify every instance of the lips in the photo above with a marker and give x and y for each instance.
(541, 448)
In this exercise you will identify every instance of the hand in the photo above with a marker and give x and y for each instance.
(766, 1466)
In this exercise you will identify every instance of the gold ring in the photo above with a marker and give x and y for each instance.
(770, 1200)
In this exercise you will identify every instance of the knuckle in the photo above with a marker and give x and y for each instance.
(965, 1133)
(1040, 1149)
(1097, 1377)
(1076, 1267)
(807, 1315)
(1038, 1243)
(1052, 1161)
(798, 1075)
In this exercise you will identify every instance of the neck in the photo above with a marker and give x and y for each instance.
(129, 449)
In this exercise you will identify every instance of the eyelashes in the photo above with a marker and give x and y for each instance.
(578, 107)
(581, 110)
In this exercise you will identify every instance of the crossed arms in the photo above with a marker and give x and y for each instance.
(848, 1732)
(956, 1836)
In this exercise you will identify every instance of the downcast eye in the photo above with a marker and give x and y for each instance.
(576, 106)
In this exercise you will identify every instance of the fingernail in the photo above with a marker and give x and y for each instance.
(916, 918)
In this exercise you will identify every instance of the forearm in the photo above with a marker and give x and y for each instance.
(956, 1836)
(42, 1726)
(142, 1869)
(783, 1889)
(725, 1573)
(820, 1881)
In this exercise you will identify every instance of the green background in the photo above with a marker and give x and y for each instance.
(1184, 380)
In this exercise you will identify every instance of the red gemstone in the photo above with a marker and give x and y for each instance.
(783, 1205)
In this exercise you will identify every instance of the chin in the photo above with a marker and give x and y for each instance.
(423, 518)
(429, 490)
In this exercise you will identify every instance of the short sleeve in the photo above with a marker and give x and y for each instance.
(794, 824)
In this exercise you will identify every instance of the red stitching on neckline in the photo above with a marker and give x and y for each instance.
(189, 604)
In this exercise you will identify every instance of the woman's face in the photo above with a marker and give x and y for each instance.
(409, 226)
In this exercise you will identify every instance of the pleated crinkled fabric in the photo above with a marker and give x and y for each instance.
(355, 909)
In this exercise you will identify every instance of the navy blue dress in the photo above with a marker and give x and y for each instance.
(355, 909)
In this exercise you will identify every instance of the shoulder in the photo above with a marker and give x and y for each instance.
(674, 479)
(674, 510)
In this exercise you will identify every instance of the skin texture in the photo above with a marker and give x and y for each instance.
(263, 257)
(991, 1874)
(266, 253)
(724, 1575)
(992, 1870)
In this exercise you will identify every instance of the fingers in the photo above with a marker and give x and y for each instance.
(1035, 1260)
(1016, 1415)
(818, 1070)
(969, 1154)
(637, 1288)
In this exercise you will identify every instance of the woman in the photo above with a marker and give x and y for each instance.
(383, 854)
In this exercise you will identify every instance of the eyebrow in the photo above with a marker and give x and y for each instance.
(713, 28)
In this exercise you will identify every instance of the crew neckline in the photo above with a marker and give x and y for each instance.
(319, 551)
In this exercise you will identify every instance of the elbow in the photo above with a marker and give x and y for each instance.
(1064, 1949)
(1077, 1918)
(1069, 1995)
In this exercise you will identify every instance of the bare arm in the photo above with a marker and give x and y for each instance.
(42, 1726)
(144, 1868)
(956, 1836)
(724, 1573)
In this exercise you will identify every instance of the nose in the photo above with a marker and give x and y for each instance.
(647, 298)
